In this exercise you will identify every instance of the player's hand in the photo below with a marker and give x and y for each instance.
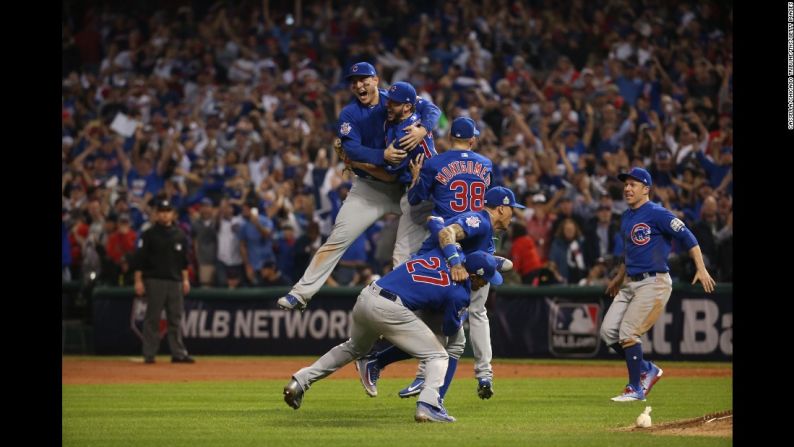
(416, 166)
(459, 273)
(415, 133)
(394, 156)
(139, 289)
(185, 286)
(705, 279)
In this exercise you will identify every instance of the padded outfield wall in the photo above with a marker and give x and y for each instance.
(526, 322)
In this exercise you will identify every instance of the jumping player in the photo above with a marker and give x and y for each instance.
(361, 129)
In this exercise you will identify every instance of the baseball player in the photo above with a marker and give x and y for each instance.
(456, 182)
(401, 117)
(386, 307)
(362, 133)
(642, 285)
(474, 232)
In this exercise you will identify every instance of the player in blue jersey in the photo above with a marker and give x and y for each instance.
(456, 180)
(473, 231)
(386, 307)
(362, 132)
(401, 118)
(642, 285)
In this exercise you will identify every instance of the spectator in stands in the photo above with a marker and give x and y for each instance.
(599, 236)
(567, 251)
(523, 253)
(271, 276)
(230, 261)
(256, 243)
(204, 229)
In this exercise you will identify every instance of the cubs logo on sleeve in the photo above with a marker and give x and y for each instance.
(641, 234)
(345, 128)
(677, 225)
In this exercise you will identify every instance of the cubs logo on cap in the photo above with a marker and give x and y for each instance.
(361, 69)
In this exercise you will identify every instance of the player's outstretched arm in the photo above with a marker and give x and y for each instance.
(702, 274)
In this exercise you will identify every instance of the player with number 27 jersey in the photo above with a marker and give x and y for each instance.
(455, 180)
(419, 284)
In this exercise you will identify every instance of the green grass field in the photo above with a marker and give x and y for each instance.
(540, 412)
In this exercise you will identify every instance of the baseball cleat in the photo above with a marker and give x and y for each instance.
(369, 373)
(289, 302)
(649, 378)
(413, 389)
(484, 388)
(428, 413)
(630, 395)
(293, 394)
(503, 264)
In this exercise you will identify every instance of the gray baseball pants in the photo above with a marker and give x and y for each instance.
(374, 315)
(635, 309)
(366, 202)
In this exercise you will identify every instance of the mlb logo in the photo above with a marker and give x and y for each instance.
(574, 328)
(138, 315)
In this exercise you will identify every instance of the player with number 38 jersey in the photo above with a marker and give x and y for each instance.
(456, 180)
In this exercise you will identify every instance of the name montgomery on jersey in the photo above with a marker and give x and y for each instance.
(457, 167)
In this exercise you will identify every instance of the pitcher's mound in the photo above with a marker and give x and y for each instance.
(714, 424)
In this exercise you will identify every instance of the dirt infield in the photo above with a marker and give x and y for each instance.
(77, 371)
(714, 424)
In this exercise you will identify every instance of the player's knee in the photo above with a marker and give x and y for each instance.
(455, 348)
(628, 341)
(609, 335)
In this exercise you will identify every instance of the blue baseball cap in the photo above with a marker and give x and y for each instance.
(499, 195)
(485, 265)
(361, 69)
(401, 92)
(464, 128)
(639, 174)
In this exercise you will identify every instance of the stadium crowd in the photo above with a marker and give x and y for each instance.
(229, 110)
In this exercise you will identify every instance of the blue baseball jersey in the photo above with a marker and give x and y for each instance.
(476, 225)
(396, 131)
(362, 129)
(646, 236)
(455, 181)
(425, 282)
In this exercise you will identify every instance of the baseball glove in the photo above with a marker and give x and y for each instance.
(341, 153)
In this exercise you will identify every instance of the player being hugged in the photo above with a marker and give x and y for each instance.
(386, 307)
(401, 118)
(642, 285)
(361, 130)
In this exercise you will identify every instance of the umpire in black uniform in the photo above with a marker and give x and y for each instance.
(161, 274)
